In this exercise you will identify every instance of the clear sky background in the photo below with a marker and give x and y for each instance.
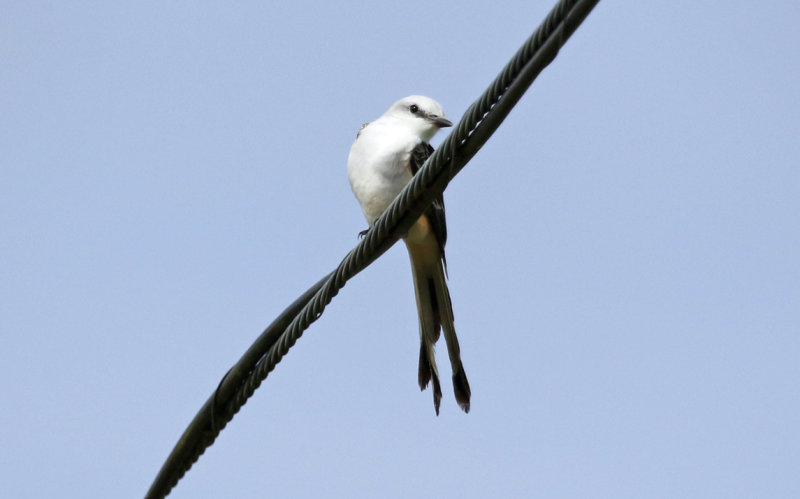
(623, 253)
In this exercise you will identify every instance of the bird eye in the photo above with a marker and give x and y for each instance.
(413, 108)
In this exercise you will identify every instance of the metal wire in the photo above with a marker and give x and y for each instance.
(476, 126)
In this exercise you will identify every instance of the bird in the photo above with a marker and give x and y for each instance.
(386, 154)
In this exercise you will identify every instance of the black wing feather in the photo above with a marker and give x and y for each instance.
(435, 211)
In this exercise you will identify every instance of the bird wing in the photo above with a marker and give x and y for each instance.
(434, 212)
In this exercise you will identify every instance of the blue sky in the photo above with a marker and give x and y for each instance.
(622, 253)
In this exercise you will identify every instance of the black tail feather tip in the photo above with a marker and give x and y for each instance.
(424, 374)
(462, 390)
(437, 394)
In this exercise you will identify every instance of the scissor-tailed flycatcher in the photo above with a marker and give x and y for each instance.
(386, 154)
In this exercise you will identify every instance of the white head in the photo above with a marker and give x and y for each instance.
(423, 114)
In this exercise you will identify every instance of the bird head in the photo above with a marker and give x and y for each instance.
(422, 114)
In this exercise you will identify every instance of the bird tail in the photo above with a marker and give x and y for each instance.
(436, 315)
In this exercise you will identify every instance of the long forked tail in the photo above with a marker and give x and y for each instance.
(436, 314)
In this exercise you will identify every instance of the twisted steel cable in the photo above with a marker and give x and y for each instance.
(473, 130)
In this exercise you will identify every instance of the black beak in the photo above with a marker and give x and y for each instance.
(440, 122)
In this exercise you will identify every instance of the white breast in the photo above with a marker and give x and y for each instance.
(378, 165)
